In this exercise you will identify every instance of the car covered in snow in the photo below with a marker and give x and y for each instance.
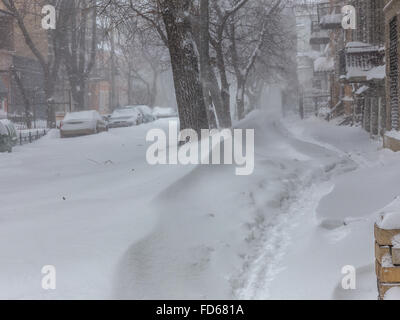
(159, 112)
(147, 113)
(8, 136)
(82, 123)
(125, 117)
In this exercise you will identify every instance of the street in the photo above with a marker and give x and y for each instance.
(115, 227)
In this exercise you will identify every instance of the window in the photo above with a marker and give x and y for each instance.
(394, 73)
(317, 84)
(6, 32)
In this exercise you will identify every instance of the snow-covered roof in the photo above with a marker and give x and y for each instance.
(360, 47)
(313, 54)
(80, 115)
(361, 90)
(347, 99)
(356, 72)
(389, 216)
(324, 64)
(320, 34)
(335, 18)
(377, 73)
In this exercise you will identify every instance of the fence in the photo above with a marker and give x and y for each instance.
(20, 122)
(28, 136)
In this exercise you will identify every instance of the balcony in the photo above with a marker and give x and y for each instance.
(329, 16)
(361, 63)
(318, 36)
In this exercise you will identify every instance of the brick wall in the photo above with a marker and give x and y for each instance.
(391, 11)
(33, 22)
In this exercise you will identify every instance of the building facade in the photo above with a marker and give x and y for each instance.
(17, 60)
(392, 38)
(353, 63)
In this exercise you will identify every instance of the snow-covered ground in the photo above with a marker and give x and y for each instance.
(116, 227)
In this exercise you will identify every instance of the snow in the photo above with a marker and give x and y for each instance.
(389, 216)
(3, 129)
(393, 134)
(387, 261)
(331, 19)
(347, 99)
(324, 64)
(360, 47)
(377, 73)
(361, 90)
(163, 112)
(312, 54)
(393, 294)
(82, 115)
(116, 227)
(356, 72)
(388, 4)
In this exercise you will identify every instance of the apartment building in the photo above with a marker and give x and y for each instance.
(353, 63)
(17, 60)
(392, 38)
(362, 67)
(312, 66)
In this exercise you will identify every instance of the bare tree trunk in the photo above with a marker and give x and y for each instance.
(205, 67)
(241, 86)
(27, 104)
(225, 90)
(184, 60)
(129, 84)
(80, 60)
(154, 89)
(113, 98)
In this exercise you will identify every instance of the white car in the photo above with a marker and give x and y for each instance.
(160, 113)
(82, 123)
(147, 113)
(125, 117)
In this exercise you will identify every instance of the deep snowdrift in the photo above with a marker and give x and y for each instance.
(115, 227)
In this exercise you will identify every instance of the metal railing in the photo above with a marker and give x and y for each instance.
(30, 136)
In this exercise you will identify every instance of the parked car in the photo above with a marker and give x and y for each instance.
(82, 123)
(125, 117)
(147, 113)
(8, 136)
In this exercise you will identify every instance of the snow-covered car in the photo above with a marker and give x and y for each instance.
(125, 117)
(82, 123)
(147, 113)
(160, 112)
(8, 136)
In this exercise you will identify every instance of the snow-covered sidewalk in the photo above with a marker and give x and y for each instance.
(116, 227)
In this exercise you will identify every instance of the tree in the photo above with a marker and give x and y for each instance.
(79, 50)
(219, 17)
(25, 98)
(255, 36)
(141, 56)
(184, 61)
(49, 61)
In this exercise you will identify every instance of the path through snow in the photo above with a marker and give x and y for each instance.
(116, 227)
